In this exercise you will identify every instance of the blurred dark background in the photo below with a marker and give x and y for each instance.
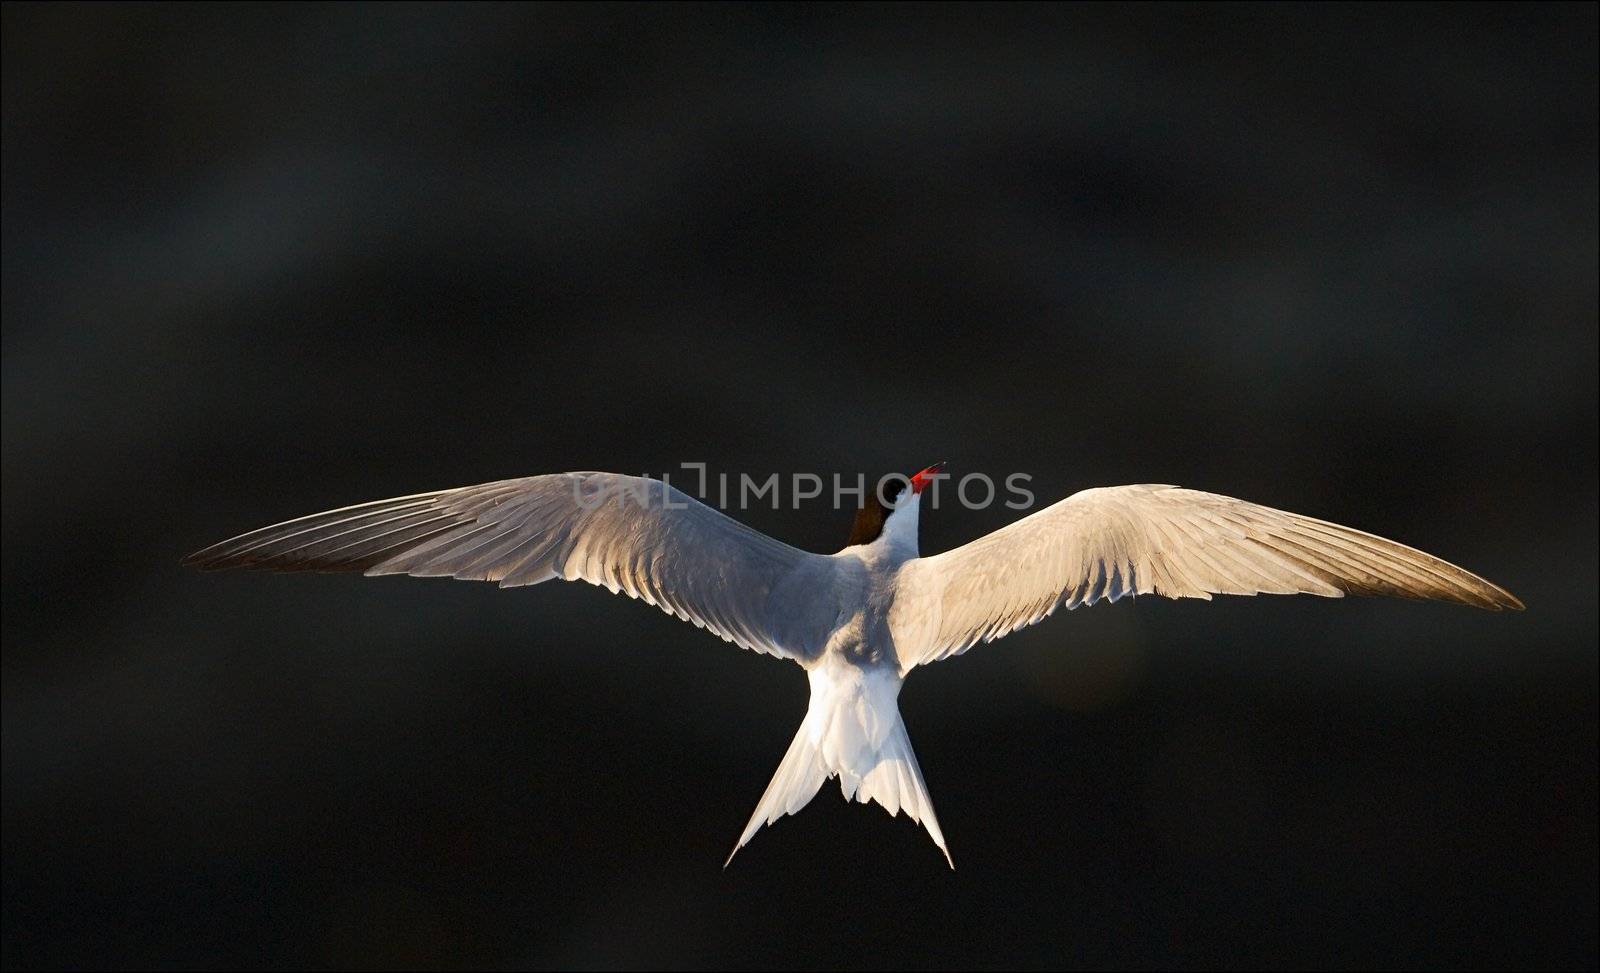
(261, 262)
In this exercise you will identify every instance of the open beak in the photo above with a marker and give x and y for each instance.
(926, 476)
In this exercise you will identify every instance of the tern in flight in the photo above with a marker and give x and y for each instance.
(857, 621)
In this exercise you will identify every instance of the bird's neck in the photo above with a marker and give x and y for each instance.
(899, 537)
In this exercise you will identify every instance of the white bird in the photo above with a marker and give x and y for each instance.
(858, 621)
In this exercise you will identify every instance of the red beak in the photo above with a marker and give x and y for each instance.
(925, 477)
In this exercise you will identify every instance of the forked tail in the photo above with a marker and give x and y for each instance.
(799, 777)
(887, 773)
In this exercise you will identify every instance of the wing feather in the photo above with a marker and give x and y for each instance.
(627, 534)
(1111, 542)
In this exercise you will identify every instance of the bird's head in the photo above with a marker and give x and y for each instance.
(890, 511)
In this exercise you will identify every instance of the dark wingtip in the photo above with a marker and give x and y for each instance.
(203, 560)
(211, 560)
(1492, 597)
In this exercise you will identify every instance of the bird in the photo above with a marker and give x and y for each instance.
(858, 621)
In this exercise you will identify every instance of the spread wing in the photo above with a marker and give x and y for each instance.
(625, 533)
(1136, 540)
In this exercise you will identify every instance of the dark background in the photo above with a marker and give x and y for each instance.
(261, 262)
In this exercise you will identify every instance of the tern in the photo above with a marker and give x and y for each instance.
(859, 620)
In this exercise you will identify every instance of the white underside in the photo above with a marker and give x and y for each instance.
(852, 731)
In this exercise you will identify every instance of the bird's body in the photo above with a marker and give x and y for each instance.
(852, 729)
(858, 621)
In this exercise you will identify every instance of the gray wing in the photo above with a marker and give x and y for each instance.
(625, 533)
(1136, 540)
